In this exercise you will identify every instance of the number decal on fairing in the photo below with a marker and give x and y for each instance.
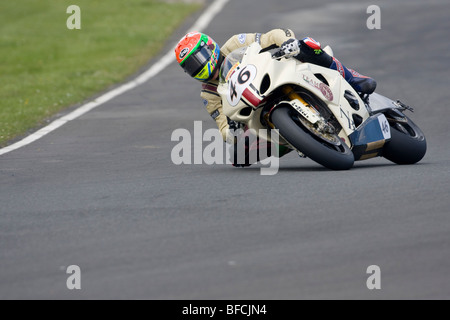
(233, 92)
(238, 82)
(384, 125)
(243, 76)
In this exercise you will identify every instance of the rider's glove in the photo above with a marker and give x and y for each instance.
(291, 47)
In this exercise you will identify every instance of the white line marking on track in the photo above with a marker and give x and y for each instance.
(203, 21)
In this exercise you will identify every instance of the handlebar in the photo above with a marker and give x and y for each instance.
(277, 53)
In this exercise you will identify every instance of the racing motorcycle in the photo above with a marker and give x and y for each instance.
(314, 111)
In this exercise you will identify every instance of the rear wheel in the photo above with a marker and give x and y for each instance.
(325, 149)
(407, 145)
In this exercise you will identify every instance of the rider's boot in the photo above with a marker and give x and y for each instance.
(359, 82)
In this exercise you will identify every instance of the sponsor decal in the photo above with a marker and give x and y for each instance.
(258, 38)
(242, 37)
(287, 32)
(215, 114)
(183, 53)
(232, 69)
(192, 34)
(324, 89)
(318, 51)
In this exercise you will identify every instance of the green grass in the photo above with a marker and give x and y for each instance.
(45, 67)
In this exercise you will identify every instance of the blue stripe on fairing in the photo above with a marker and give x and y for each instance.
(368, 132)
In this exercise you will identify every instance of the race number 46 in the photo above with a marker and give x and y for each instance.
(384, 125)
(239, 81)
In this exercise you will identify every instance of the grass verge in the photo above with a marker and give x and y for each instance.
(45, 67)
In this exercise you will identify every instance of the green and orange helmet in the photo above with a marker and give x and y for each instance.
(198, 54)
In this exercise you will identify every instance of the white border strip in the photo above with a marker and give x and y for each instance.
(203, 21)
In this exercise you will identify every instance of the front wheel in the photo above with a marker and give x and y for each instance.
(407, 145)
(329, 151)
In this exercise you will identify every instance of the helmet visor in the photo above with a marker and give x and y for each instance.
(198, 61)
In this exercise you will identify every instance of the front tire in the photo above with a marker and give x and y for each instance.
(335, 157)
(407, 145)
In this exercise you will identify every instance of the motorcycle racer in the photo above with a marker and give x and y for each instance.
(201, 57)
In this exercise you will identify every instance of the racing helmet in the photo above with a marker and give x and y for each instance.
(198, 54)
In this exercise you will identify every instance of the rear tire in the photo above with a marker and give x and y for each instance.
(328, 155)
(407, 145)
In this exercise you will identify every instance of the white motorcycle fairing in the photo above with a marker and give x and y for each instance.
(253, 84)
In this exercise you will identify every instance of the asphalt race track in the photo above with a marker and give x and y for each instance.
(102, 191)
